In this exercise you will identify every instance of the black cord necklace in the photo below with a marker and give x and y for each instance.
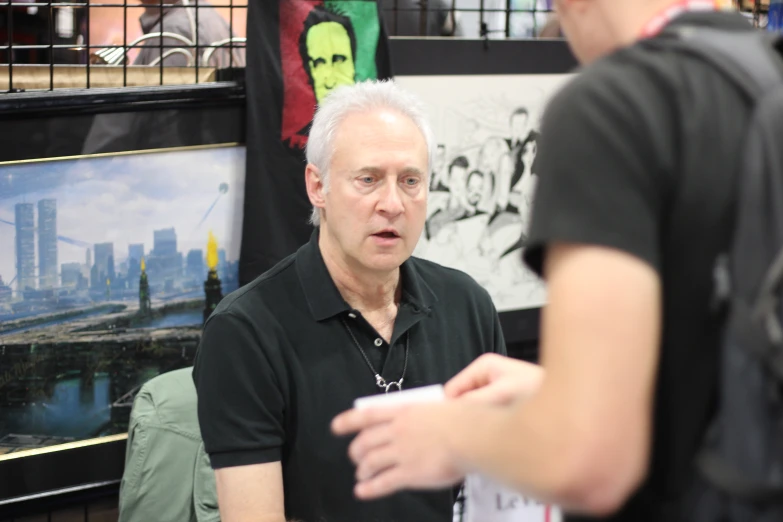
(380, 381)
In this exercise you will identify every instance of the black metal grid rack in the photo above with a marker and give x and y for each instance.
(400, 13)
(415, 17)
(54, 37)
(32, 36)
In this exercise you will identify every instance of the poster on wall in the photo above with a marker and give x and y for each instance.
(108, 266)
(484, 175)
(324, 45)
(299, 51)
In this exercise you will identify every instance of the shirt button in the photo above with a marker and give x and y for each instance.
(378, 341)
(352, 315)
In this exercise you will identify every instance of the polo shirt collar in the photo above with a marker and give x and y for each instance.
(415, 290)
(323, 297)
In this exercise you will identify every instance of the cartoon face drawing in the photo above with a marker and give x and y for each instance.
(330, 61)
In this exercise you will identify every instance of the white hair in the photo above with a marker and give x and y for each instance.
(359, 97)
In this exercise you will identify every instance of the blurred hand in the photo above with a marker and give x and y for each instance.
(401, 447)
(494, 379)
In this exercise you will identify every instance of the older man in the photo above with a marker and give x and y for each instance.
(350, 314)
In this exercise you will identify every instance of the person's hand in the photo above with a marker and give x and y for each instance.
(401, 447)
(495, 379)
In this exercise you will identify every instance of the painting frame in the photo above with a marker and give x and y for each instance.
(97, 462)
(58, 474)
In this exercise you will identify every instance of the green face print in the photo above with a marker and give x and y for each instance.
(331, 61)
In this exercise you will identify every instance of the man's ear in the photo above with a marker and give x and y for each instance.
(315, 186)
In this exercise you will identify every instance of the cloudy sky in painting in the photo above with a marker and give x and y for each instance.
(124, 199)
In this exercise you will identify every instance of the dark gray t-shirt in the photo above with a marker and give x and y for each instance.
(640, 153)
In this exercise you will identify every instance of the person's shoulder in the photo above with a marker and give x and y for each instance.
(629, 78)
(259, 295)
(648, 73)
(449, 284)
(633, 99)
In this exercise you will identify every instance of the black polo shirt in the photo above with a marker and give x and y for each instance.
(276, 364)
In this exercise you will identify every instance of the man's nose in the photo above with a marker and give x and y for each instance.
(391, 200)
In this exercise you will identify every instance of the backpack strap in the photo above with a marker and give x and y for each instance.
(751, 59)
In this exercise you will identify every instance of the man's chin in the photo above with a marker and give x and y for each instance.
(385, 261)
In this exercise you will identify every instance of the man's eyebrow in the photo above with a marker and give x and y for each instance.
(407, 171)
(370, 170)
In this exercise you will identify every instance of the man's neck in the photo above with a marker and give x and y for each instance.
(365, 291)
(629, 18)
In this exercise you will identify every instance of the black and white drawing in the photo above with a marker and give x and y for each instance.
(483, 179)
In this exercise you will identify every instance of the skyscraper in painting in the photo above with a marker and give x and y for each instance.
(103, 268)
(47, 243)
(135, 253)
(25, 245)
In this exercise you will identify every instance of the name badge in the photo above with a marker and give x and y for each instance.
(488, 501)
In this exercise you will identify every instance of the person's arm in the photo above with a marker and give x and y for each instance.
(587, 431)
(495, 379)
(240, 409)
(252, 493)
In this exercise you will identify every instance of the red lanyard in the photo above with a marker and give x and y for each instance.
(660, 20)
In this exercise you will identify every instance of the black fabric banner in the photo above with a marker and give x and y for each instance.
(297, 52)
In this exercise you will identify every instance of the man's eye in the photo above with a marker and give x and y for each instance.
(411, 181)
(367, 179)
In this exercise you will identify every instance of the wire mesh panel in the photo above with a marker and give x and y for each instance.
(45, 45)
(116, 43)
(466, 18)
(495, 18)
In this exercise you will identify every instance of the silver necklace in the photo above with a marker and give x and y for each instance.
(380, 381)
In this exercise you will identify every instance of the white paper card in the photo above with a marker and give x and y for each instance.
(433, 393)
(488, 501)
(485, 500)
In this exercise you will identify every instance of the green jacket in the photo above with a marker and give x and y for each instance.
(167, 477)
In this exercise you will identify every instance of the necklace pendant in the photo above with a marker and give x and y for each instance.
(380, 382)
(394, 383)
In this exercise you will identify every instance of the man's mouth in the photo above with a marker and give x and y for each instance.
(387, 234)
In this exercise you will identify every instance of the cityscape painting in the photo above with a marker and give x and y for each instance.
(108, 267)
